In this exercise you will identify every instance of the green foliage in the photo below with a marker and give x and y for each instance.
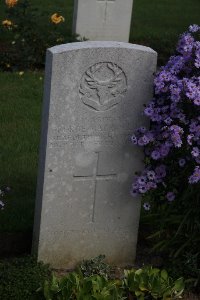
(95, 266)
(30, 34)
(176, 232)
(77, 287)
(19, 278)
(152, 283)
(189, 266)
(146, 283)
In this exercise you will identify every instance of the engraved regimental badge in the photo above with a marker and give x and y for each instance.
(103, 86)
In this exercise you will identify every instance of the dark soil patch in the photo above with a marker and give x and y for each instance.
(14, 244)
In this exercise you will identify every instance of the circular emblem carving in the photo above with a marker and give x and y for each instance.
(103, 86)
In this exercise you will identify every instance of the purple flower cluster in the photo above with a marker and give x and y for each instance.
(148, 180)
(195, 177)
(173, 138)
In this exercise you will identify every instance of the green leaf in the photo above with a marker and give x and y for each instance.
(139, 271)
(143, 287)
(179, 284)
(164, 275)
(139, 294)
(47, 292)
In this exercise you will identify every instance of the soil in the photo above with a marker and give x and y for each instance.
(15, 244)
(191, 297)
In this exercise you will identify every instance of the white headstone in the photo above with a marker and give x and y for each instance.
(94, 96)
(103, 20)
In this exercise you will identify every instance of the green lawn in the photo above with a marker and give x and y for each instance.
(156, 23)
(20, 103)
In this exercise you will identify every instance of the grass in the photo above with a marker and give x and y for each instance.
(20, 103)
(21, 277)
(156, 23)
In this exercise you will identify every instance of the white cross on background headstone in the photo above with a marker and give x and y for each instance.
(106, 7)
(95, 177)
(103, 20)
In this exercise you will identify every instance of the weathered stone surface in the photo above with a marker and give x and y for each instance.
(103, 20)
(94, 96)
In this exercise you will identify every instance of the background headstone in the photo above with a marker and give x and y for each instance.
(103, 20)
(94, 96)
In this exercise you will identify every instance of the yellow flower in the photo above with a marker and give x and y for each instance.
(21, 73)
(11, 3)
(56, 18)
(7, 23)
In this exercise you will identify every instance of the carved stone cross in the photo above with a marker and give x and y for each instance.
(94, 178)
(106, 6)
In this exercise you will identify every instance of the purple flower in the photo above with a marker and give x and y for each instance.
(143, 189)
(145, 139)
(174, 115)
(155, 154)
(148, 111)
(195, 177)
(195, 151)
(164, 150)
(135, 186)
(175, 93)
(197, 159)
(147, 206)
(190, 138)
(134, 139)
(141, 180)
(175, 64)
(197, 101)
(151, 185)
(151, 175)
(182, 162)
(197, 63)
(142, 129)
(185, 44)
(141, 142)
(170, 196)
(168, 121)
(160, 171)
(194, 28)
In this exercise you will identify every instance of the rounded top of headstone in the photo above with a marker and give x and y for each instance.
(99, 44)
